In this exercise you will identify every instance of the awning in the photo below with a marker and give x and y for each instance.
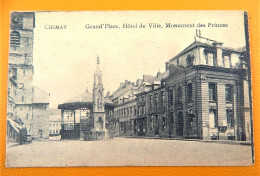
(15, 125)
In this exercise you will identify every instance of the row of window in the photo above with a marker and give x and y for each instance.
(128, 126)
(213, 118)
(126, 112)
(213, 92)
(55, 125)
(151, 122)
(210, 59)
(153, 101)
(54, 131)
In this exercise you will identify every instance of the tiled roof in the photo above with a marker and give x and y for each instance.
(148, 78)
(123, 88)
(86, 97)
(161, 76)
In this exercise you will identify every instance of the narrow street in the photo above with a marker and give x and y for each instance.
(127, 152)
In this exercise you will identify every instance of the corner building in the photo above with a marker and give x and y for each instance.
(208, 92)
(203, 94)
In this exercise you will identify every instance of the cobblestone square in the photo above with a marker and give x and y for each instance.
(127, 152)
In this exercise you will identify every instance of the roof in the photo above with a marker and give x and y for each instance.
(185, 50)
(15, 125)
(123, 88)
(161, 76)
(202, 41)
(85, 97)
(40, 96)
(82, 100)
(148, 78)
(241, 49)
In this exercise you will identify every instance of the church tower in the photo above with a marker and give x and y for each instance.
(21, 68)
(98, 103)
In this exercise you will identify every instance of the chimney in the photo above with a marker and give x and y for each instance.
(199, 34)
(167, 66)
(108, 94)
(138, 82)
(219, 54)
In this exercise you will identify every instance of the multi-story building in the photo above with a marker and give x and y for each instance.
(203, 94)
(125, 109)
(204, 86)
(27, 104)
(54, 122)
(153, 107)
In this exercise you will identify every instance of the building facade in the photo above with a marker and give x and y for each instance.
(204, 89)
(54, 122)
(26, 112)
(203, 94)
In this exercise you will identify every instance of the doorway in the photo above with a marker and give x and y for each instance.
(179, 129)
(156, 125)
(40, 133)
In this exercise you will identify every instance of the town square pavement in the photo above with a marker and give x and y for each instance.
(127, 152)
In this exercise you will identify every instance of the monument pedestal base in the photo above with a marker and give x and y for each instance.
(98, 135)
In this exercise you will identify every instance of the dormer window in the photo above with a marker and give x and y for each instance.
(227, 61)
(189, 60)
(210, 58)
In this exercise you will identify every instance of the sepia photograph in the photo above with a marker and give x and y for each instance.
(129, 88)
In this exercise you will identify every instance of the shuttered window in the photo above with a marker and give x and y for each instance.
(15, 39)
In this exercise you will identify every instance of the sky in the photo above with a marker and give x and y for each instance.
(65, 59)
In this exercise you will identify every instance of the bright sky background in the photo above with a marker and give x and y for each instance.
(65, 60)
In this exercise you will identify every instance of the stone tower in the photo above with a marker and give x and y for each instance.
(98, 131)
(21, 65)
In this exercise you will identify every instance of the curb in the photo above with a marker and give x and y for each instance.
(198, 140)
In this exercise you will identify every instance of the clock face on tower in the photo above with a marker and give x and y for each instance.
(16, 21)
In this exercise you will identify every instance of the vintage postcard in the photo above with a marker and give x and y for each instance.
(129, 88)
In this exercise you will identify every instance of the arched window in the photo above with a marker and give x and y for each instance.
(189, 60)
(15, 39)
